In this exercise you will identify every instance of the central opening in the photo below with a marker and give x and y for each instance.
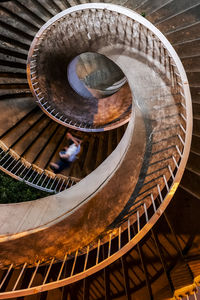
(93, 75)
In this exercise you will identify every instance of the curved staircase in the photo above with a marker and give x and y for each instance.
(165, 262)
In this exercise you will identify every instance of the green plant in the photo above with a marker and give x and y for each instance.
(13, 191)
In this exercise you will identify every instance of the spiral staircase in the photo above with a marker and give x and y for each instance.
(126, 233)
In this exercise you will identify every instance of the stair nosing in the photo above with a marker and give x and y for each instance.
(172, 16)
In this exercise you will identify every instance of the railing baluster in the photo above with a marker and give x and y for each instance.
(61, 185)
(10, 157)
(49, 268)
(172, 175)
(109, 247)
(98, 251)
(86, 258)
(20, 275)
(4, 156)
(4, 279)
(175, 161)
(178, 150)
(161, 198)
(129, 230)
(153, 202)
(73, 267)
(62, 266)
(166, 184)
(33, 276)
(57, 184)
(180, 138)
(138, 220)
(146, 213)
(119, 238)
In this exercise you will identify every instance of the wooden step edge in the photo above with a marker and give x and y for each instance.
(173, 15)
(3, 146)
(194, 152)
(196, 135)
(192, 171)
(189, 191)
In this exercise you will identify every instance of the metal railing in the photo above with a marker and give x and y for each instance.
(20, 169)
(155, 194)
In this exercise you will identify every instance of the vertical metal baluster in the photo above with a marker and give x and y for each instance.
(57, 184)
(129, 230)
(4, 156)
(183, 129)
(86, 258)
(10, 157)
(53, 182)
(48, 182)
(178, 150)
(13, 160)
(8, 271)
(98, 250)
(109, 247)
(119, 238)
(138, 221)
(33, 171)
(183, 117)
(35, 178)
(67, 183)
(49, 268)
(20, 275)
(175, 161)
(73, 267)
(172, 175)
(17, 162)
(44, 180)
(161, 198)
(62, 267)
(61, 185)
(19, 168)
(146, 213)
(195, 296)
(26, 172)
(166, 184)
(153, 202)
(33, 276)
(180, 138)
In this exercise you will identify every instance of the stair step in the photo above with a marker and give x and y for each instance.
(193, 77)
(40, 144)
(196, 108)
(14, 111)
(181, 276)
(30, 137)
(187, 17)
(189, 49)
(194, 161)
(191, 65)
(196, 124)
(25, 12)
(181, 36)
(191, 181)
(195, 143)
(195, 92)
(17, 131)
(149, 7)
(171, 9)
(21, 21)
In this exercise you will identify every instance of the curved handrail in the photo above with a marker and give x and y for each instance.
(181, 84)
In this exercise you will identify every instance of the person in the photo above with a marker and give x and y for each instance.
(68, 155)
